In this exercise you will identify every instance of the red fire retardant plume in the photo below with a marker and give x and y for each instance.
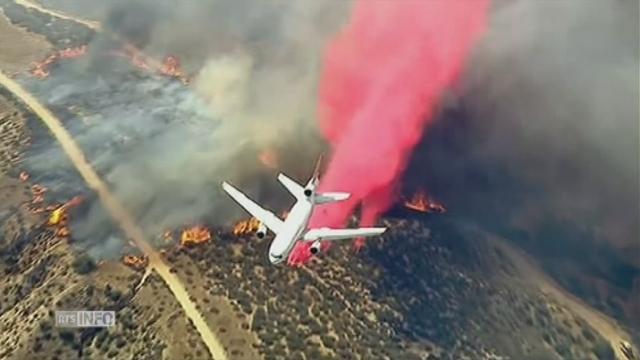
(383, 76)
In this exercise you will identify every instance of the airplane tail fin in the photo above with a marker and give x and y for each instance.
(328, 197)
(309, 190)
(315, 179)
(316, 171)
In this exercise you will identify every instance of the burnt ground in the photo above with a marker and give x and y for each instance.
(42, 273)
(426, 289)
(429, 289)
(60, 33)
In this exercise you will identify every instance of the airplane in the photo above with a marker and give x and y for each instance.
(294, 227)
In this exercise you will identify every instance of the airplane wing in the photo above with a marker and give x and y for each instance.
(339, 234)
(265, 216)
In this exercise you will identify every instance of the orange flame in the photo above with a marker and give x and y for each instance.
(63, 232)
(195, 235)
(246, 227)
(170, 66)
(38, 189)
(268, 158)
(41, 70)
(70, 53)
(135, 56)
(422, 203)
(59, 217)
(38, 192)
(135, 262)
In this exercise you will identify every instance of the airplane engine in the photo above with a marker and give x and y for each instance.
(262, 231)
(315, 248)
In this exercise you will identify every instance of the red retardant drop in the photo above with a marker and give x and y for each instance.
(383, 76)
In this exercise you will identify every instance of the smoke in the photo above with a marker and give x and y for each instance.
(164, 147)
(546, 122)
(383, 76)
(541, 142)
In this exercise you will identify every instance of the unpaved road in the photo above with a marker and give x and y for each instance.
(33, 5)
(119, 213)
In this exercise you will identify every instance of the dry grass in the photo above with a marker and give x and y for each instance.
(19, 47)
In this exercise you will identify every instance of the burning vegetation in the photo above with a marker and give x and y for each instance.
(422, 203)
(41, 70)
(246, 227)
(24, 176)
(169, 67)
(37, 204)
(194, 236)
(136, 262)
(37, 192)
(59, 217)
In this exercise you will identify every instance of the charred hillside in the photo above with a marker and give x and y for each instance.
(425, 289)
(431, 287)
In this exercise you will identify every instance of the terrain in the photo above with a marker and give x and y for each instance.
(431, 288)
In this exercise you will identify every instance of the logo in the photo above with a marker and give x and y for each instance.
(84, 318)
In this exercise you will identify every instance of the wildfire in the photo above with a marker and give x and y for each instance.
(421, 202)
(136, 262)
(246, 227)
(59, 217)
(41, 70)
(70, 53)
(37, 200)
(171, 67)
(38, 192)
(195, 235)
(63, 232)
(268, 158)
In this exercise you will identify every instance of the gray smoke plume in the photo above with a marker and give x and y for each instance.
(164, 147)
(559, 104)
(542, 140)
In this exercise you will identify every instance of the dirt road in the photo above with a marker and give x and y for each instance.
(119, 213)
(33, 5)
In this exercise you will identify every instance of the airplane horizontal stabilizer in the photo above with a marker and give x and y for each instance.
(339, 234)
(328, 197)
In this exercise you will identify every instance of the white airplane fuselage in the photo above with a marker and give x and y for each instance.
(294, 227)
